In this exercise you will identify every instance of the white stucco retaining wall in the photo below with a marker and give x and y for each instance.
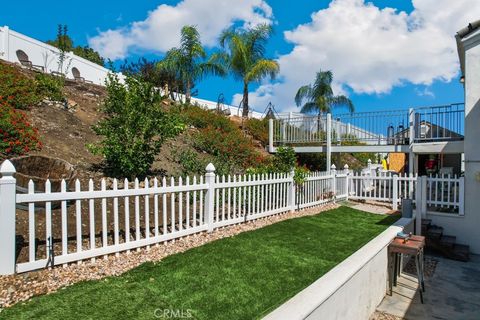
(351, 290)
(46, 56)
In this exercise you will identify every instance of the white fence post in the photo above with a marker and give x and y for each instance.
(209, 196)
(333, 172)
(292, 192)
(461, 196)
(7, 218)
(347, 180)
(395, 193)
(424, 196)
(270, 135)
(418, 206)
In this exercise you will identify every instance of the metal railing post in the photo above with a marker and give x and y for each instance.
(209, 196)
(7, 218)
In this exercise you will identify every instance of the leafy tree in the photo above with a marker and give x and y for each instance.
(319, 97)
(88, 53)
(134, 127)
(245, 56)
(63, 40)
(147, 71)
(188, 62)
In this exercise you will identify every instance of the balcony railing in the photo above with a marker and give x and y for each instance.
(393, 127)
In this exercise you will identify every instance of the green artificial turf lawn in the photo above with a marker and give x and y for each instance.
(241, 277)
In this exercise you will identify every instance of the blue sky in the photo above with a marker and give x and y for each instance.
(384, 54)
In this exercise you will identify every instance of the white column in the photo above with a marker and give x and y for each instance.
(329, 140)
(411, 155)
(270, 135)
(424, 196)
(210, 196)
(7, 218)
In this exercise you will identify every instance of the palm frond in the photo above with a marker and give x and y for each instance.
(310, 107)
(303, 92)
(341, 101)
(261, 69)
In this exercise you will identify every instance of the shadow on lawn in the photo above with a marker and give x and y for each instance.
(389, 220)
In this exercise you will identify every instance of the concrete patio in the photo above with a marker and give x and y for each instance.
(452, 292)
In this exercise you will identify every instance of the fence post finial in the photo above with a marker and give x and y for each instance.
(7, 218)
(210, 168)
(7, 169)
(345, 167)
(333, 167)
(209, 196)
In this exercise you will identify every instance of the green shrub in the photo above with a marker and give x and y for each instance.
(17, 135)
(190, 163)
(228, 146)
(258, 129)
(18, 88)
(50, 87)
(201, 118)
(134, 128)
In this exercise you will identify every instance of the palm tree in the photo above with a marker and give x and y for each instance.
(245, 56)
(188, 61)
(319, 96)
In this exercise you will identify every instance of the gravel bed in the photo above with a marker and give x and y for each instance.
(21, 287)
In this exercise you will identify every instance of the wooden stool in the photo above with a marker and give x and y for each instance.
(414, 246)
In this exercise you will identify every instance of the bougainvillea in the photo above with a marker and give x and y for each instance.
(17, 135)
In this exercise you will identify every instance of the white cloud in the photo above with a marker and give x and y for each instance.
(371, 50)
(160, 31)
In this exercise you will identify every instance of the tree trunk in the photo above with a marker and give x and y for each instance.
(245, 100)
(187, 92)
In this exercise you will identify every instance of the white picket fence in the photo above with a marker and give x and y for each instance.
(74, 223)
(437, 193)
(78, 222)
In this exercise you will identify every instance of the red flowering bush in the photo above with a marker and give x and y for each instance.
(17, 135)
(21, 89)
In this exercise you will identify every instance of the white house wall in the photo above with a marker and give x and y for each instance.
(466, 228)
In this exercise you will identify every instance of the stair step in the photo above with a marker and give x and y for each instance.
(461, 252)
(448, 241)
(426, 222)
(435, 232)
